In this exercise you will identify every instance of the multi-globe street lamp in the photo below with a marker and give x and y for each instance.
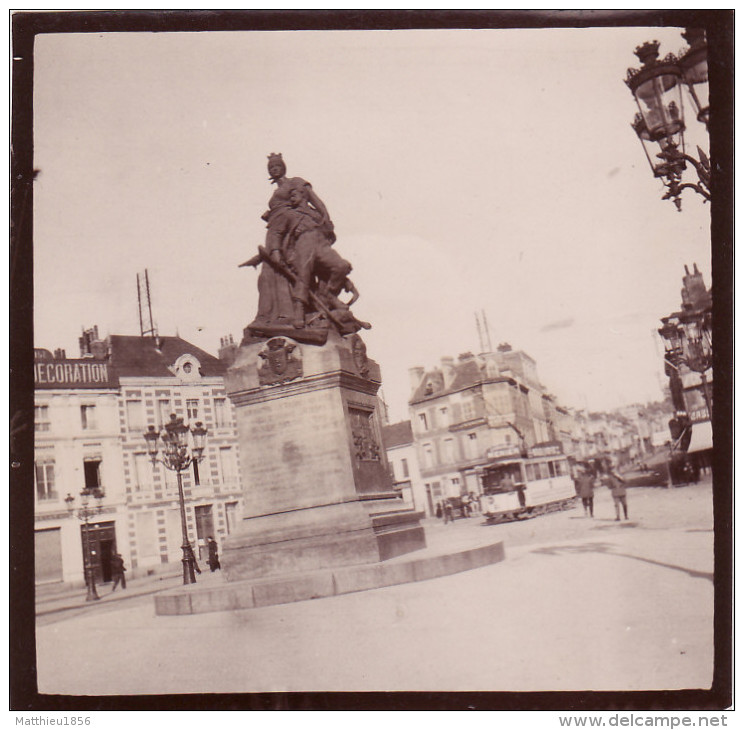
(177, 454)
(84, 513)
(657, 89)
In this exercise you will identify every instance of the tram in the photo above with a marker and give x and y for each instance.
(521, 484)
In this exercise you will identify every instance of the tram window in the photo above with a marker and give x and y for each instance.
(532, 473)
(560, 468)
(544, 474)
(551, 468)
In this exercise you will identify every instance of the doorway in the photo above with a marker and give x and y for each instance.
(102, 542)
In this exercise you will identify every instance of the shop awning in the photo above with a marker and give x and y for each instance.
(702, 437)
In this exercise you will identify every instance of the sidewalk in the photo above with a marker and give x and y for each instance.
(56, 597)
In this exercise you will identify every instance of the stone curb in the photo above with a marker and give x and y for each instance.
(322, 584)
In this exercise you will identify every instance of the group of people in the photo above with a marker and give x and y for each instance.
(118, 569)
(587, 481)
(469, 505)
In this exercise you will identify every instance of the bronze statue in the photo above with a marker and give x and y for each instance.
(302, 275)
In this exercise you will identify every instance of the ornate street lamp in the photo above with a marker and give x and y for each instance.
(84, 513)
(657, 89)
(688, 342)
(176, 455)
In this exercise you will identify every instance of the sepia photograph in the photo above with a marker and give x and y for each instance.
(368, 360)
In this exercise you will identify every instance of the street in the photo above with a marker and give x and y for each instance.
(578, 604)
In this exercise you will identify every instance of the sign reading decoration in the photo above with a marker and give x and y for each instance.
(74, 374)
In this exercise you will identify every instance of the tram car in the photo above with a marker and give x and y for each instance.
(518, 485)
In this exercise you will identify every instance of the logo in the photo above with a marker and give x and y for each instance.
(280, 363)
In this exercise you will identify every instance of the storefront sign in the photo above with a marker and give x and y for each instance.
(74, 374)
(547, 448)
(499, 452)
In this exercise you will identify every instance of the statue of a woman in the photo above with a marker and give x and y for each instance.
(275, 306)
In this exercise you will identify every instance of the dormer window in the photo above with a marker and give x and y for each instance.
(187, 367)
(429, 388)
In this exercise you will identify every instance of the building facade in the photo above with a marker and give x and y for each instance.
(404, 467)
(466, 410)
(91, 434)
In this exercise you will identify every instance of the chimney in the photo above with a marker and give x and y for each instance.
(448, 370)
(415, 376)
(228, 350)
(60, 354)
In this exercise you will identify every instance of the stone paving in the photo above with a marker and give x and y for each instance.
(578, 604)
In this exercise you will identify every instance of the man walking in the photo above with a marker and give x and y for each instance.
(616, 485)
(117, 572)
(585, 488)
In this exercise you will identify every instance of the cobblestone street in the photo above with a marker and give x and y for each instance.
(578, 604)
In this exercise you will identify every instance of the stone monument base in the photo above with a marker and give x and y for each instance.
(317, 490)
(213, 593)
(320, 537)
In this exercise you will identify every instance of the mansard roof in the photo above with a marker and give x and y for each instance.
(133, 356)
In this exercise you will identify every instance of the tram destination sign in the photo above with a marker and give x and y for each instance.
(49, 374)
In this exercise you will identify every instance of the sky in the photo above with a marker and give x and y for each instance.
(488, 171)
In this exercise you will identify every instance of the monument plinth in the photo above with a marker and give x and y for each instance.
(317, 491)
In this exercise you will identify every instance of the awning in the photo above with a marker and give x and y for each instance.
(702, 437)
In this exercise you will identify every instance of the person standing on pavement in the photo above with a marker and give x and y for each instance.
(617, 487)
(448, 512)
(214, 558)
(117, 572)
(585, 489)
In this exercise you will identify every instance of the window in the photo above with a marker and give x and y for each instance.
(231, 516)
(220, 413)
(192, 410)
(473, 445)
(41, 418)
(164, 411)
(449, 450)
(92, 472)
(468, 410)
(204, 522)
(45, 480)
(444, 416)
(227, 464)
(142, 471)
(422, 422)
(88, 418)
(428, 455)
(404, 466)
(135, 419)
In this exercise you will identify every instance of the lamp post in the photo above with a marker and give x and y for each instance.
(687, 342)
(176, 455)
(84, 513)
(657, 89)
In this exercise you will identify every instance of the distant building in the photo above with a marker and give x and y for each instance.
(404, 467)
(465, 410)
(90, 417)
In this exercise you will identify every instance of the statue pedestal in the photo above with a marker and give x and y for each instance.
(316, 487)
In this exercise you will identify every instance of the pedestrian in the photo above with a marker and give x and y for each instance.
(439, 512)
(465, 502)
(117, 572)
(448, 512)
(616, 485)
(214, 558)
(585, 489)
